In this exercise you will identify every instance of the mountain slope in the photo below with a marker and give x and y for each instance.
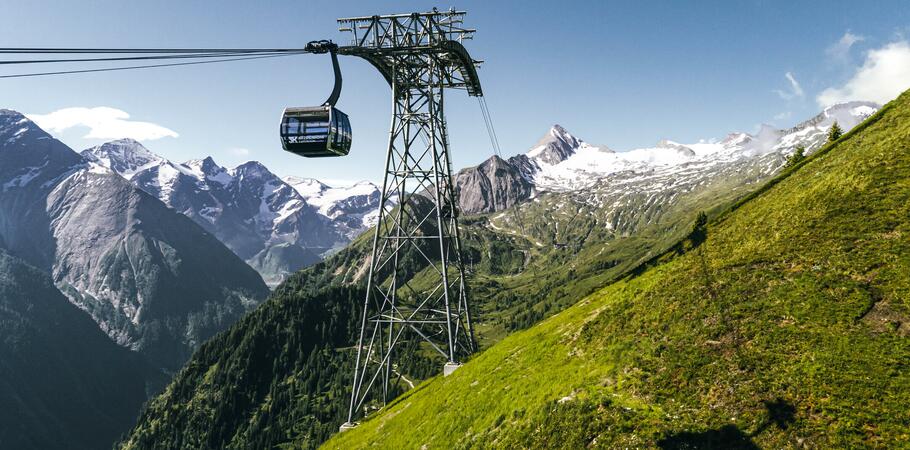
(63, 383)
(274, 378)
(785, 326)
(152, 279)
(540, 256)
(566, 247)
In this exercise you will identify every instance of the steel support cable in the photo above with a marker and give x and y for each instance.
(147, 66)
(61, 50)
(491, 130)
(494, 141)
(135, 58)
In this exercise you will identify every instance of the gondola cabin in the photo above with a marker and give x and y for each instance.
(316, 131)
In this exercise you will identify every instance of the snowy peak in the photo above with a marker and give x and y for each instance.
(735, 139)
(853, 109)
(14, 125)
(675, 146)
(17, 132)
(125, 156)
(847, 116)
(558, 133)
(206, 170)
(307, 187)
(353, 208)
(28, 155)
(331, 201)
(206, 166)
(253, 169)
(813, 132)
(555, 146)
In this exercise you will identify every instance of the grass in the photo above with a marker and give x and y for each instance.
(787, 328)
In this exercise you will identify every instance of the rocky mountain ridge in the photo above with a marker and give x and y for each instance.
(276, 226)
(561, 162)
(153, 280)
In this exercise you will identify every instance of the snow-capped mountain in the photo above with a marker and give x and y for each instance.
(584, 164)
(153, 280)
(277, 226)
(126, 157)
(352, 208)
(561, 162)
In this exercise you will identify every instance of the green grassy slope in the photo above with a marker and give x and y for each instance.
(518, 276)
(280, 376)
(788, 327)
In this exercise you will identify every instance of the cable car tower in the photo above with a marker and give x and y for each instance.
(420, 55)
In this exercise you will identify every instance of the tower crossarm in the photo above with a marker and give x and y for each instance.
(411, 42)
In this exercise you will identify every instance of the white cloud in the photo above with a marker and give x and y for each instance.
(103, 123)
(784, 115)
(882, 77)
(795, 89)
(239, 151)
(840, 50)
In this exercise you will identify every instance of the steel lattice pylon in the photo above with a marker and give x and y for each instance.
(420, 55)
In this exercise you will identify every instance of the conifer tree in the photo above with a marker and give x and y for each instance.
(798, 155)
(835, 132)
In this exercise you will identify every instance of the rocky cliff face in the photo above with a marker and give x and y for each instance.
(152, 279)
(491, 186)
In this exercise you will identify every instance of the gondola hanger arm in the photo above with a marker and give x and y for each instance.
(326, 46)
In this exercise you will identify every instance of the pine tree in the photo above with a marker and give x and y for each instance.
(798, 155)
(835, 132)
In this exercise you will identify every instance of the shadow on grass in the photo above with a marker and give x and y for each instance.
(781, 414)
(725, 437)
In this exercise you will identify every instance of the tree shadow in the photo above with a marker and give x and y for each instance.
(726, 437)
(781, 414)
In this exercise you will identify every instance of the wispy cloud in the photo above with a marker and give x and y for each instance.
(796, 91)
(103, 123)
(881, 78)
(784, 115)
(239, 151)
(840, 50)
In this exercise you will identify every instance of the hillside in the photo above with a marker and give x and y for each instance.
(786, 327)
(565, 247)
(594, 214)
(63, 383)
(275, 377)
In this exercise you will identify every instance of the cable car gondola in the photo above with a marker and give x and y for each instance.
(317, 131)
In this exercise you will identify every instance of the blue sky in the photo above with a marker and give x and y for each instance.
(622, 74)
